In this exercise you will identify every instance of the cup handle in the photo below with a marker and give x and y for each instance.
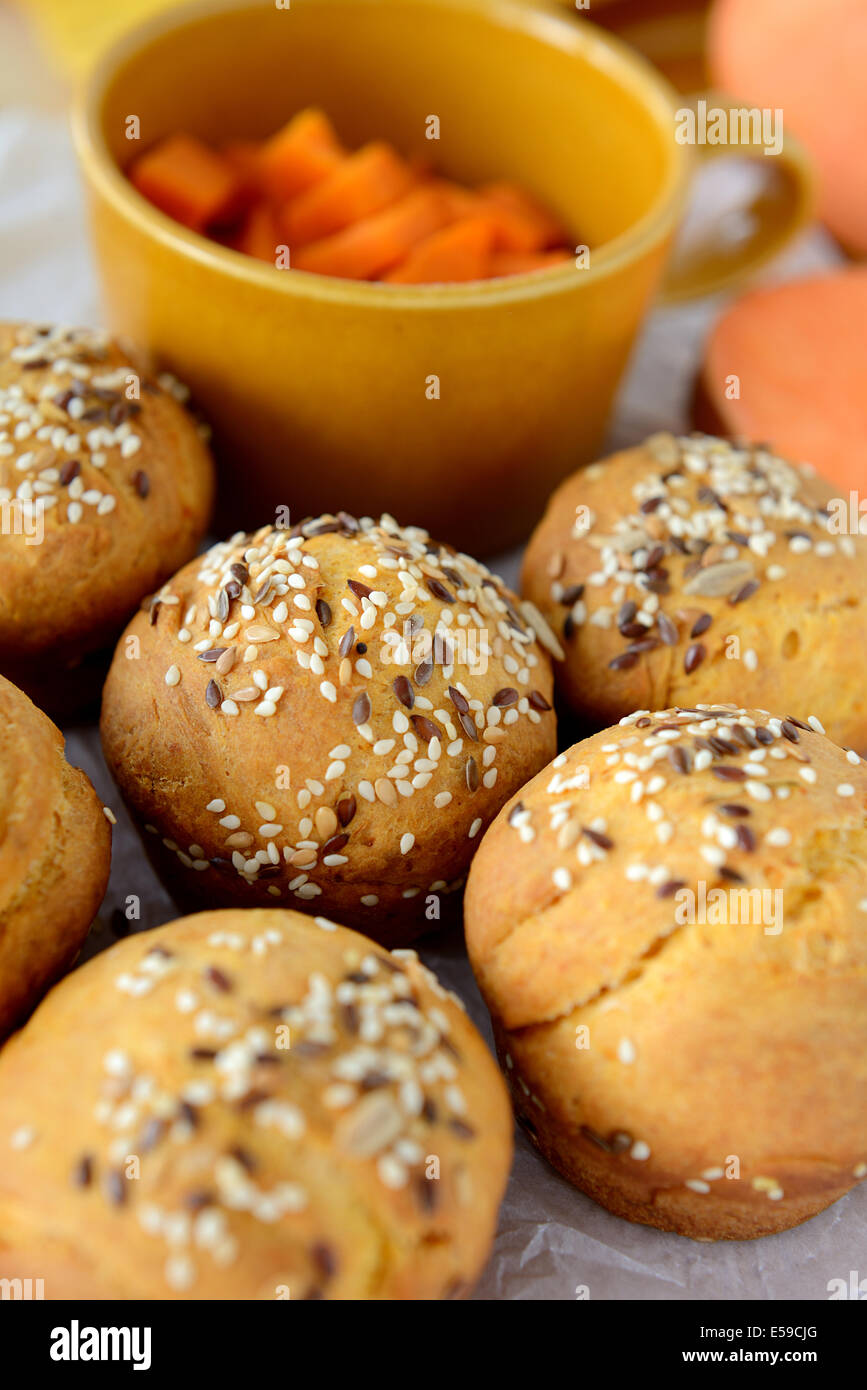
(776, 214)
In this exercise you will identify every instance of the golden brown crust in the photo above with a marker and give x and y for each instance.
(693, 1057)
(280, 746)
(366, 1159)
(55, 849)
(104, 494)
(762, 601)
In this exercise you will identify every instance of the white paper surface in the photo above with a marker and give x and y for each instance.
(552, 1241)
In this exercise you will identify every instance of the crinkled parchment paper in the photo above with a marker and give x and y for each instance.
(553, 1242)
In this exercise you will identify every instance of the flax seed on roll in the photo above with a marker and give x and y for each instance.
(54, 856)
(687, 570)
(327, 717)
(263, 1106)
(105, 489)
(669, 926)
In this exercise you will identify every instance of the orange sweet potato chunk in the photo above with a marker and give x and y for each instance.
(185, 179)
(370, 247)
(299, 156)
(457, 253)
(522, 262)
(361, 185)
(260, 235)
(523, 224)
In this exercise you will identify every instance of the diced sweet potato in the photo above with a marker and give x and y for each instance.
(371, 247)
(522, 262)
(243, 156)
(260, 235)
(299, 156)
(361, 185)
(461, 202)
(366, 215)
(188, 181)
(523, 224)
(457, 253)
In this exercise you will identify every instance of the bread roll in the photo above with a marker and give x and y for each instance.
(669, 926)
(687, 571)
(263, 1106)
(327, 717)
(55, 848)
(105, 489)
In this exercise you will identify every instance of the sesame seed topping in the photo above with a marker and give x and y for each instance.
(261, 603)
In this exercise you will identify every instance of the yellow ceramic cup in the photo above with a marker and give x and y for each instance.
(457, 407)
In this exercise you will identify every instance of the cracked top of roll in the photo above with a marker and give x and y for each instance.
(602, 841)
(669, 926)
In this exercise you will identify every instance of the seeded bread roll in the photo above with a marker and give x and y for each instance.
(103, 494)
(55, 847)
(686, 570)
(264, 1105)
(327, 716)
(669, 926)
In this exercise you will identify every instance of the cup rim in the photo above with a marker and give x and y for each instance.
(539, 18)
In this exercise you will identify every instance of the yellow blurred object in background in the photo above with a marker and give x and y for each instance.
(668, 32)
(75, 32)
